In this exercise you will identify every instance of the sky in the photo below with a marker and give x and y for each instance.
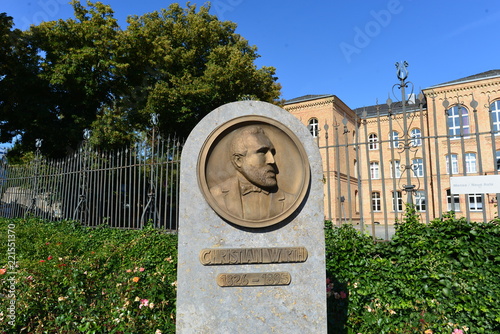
(347, 48)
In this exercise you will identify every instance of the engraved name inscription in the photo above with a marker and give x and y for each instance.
(254, 279)
(216, 256)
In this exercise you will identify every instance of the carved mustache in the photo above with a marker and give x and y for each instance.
(270, 170)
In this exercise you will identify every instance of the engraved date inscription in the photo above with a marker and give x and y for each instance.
(254, 279)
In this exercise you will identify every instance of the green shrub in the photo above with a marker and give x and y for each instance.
(440, 278)
(348, 249)
(433, 278)
(75, 279)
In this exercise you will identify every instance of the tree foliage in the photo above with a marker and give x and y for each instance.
(23, 94)
(87, 72)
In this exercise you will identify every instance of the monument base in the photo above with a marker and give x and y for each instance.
(240, 279)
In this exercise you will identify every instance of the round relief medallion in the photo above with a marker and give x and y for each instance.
(253, 171)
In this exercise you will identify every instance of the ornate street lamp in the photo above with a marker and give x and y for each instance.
(402, 74)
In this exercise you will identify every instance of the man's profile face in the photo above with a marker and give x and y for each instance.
(258, 165)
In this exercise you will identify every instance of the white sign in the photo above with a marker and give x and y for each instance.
(484, 184)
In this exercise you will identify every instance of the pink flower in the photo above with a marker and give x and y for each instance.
(3, 271)
(141, 269)
(329, 287)
(42, 260)
(143, 302)
(129, 270)
(457, 331)
(50, 257)
(343, 295)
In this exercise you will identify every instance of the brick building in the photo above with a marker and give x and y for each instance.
(375, 157)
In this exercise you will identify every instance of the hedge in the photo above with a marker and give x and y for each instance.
(442, 277)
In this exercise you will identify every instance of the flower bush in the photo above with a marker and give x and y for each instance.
(440, 278)
(74, 279)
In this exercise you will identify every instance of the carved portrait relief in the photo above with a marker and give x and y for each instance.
(253, 171)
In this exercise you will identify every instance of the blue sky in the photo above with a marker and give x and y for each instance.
(347, 48)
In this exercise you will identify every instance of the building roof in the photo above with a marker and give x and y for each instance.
(480, 76)
(307, 98)
(383, 109)
(371, 111)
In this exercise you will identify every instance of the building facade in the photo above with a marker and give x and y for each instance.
(333, 125)
(378, 158)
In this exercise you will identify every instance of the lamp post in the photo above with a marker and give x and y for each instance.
(402, 74)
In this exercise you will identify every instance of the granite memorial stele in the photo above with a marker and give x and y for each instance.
(251, 240)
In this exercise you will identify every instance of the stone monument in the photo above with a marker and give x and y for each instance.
(251, 239)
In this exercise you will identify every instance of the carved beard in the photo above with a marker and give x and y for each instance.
(263, 177)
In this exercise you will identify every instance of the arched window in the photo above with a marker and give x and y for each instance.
(394, 139)
(420, 202)
(453, 201)
(458, 119)
(314, 127)
(495, 116)
(397, 201)
(454, 164)
(374, 170)
(470, 163)
(475, 202)
(376, 201)
(416, 136)
(497, 160)
(418, 167)
(373, 142)
(356, 201)
(395, 169)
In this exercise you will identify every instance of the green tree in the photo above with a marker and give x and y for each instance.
(87, 72)
(184, 63)
(80, 63)
(24, 97)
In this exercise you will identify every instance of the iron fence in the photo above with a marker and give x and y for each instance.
(380, 158)
(372, 159)
(127, 188)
